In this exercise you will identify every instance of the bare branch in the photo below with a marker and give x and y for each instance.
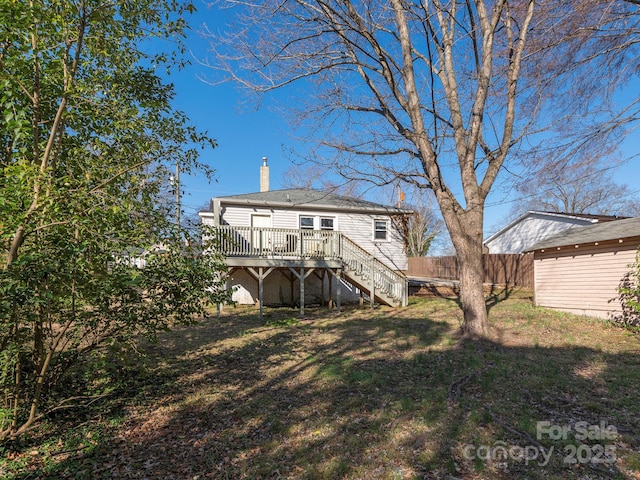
(436, 93)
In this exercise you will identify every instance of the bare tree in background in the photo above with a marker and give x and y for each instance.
(315, 176)
(434, 94)
(571, 169)
(585, 54)
(586, 186)
(424, 227)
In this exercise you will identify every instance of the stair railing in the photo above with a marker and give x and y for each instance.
(362, 263)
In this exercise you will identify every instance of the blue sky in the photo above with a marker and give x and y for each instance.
(246, 133)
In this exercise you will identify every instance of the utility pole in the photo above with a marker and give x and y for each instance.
(175, 183)
(400, 196)
(178, 193)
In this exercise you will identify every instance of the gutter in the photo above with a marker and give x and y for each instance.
(310, 206)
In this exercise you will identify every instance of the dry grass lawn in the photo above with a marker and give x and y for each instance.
(363, 394)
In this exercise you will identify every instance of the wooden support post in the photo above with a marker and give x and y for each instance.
(301, 276)
(330, 303)
(338, 275)
(301, 291)
(220, 306)
(260, 289)
(260, 275)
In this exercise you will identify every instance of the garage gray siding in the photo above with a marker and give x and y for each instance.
(583, 280)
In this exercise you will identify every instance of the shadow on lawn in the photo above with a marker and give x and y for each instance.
(366, 398)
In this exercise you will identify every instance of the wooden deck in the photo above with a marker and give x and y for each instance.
(262, 250)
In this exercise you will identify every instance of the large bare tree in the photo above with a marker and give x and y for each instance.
(432, 93)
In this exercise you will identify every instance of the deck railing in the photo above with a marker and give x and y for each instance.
(277, 242)
(311, 244)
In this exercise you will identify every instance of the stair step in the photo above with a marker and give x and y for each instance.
(383, 277)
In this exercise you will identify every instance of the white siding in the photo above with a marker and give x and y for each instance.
(207, 219)
(582, 280)
(530, 231)
(241, 216)
(358, 227)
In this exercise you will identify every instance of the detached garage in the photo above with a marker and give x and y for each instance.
(580, 269)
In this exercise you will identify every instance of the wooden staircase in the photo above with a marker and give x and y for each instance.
(372, 276)
(280, 247)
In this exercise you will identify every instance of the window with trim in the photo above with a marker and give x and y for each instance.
(306, 223)
(326, 223)
(380, 230)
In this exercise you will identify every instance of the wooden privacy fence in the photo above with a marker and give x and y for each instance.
(513, 270)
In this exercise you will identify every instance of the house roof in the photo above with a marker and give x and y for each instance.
(308, 198)
(554, 215)
(600, 232)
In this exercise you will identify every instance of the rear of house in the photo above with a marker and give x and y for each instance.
(289, 246)
(374, 227)
(580, 270)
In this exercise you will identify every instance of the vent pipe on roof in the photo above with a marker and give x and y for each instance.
(264, 175)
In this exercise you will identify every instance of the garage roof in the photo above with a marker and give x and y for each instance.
(599, 232)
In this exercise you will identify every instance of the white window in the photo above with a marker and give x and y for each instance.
(380, 230)
(306, 223)
(326, 223)
(315, 222)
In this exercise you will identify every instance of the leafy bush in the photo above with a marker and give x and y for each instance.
(87, 142)
(629, 297)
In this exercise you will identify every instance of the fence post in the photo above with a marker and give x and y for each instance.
(339, 290)
(405, 293)
(372, 288)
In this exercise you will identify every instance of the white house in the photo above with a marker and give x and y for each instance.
(302, 246)
(533, 227)
(137, 257)
(580, 270)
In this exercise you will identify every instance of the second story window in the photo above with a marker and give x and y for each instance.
(306, 223)
(326, 223)
(380, 230)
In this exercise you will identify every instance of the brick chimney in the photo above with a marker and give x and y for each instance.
(264, 175)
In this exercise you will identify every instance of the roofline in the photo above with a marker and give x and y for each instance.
(594, 234)
(600, 243)
(538, 212)
(313, 206)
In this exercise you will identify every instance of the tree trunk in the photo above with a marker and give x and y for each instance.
(466, 235)
(471, 289)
